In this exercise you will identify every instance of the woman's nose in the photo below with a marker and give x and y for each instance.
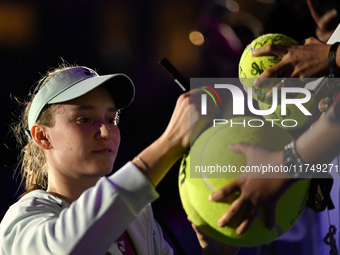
(105, 131)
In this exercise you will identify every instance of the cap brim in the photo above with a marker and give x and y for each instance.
(120, 87)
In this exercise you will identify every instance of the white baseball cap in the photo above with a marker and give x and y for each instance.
(77, 81)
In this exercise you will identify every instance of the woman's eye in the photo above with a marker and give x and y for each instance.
(83, 120)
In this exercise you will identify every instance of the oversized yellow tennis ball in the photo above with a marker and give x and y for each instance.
(251, 67)
(196, 183)
(294, 119)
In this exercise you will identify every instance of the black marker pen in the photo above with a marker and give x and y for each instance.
(178, 78)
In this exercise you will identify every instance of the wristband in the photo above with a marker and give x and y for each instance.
(332, 60)
(292, 160)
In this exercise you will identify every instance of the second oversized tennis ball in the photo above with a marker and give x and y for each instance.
(205, 170)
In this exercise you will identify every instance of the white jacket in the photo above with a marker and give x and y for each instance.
(42, 224)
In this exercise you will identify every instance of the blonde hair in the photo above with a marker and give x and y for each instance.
(31, 160)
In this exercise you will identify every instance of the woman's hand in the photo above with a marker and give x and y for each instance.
(187, 122)
(256, 189)
(185, 126)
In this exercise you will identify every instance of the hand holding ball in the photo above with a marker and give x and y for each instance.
(251, 67)
(210, 152)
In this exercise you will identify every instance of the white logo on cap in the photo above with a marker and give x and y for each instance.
(89, 72)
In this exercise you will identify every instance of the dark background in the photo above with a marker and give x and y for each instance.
(131, 36)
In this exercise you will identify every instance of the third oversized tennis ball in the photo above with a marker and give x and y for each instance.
(251, 67)
(210, 165)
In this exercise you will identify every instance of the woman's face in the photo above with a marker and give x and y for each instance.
(85, 138)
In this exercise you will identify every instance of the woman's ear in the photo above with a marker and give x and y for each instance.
(40, 136)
